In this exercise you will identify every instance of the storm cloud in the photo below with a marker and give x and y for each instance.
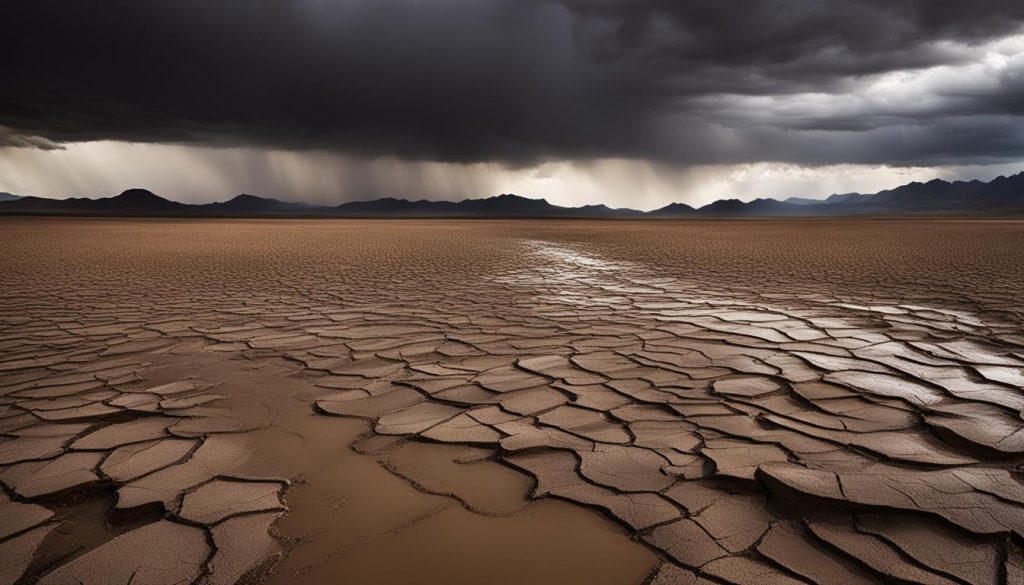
(521, 83)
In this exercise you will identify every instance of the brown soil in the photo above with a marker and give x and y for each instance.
(522, 401)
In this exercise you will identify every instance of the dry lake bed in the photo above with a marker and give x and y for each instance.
(379, 402)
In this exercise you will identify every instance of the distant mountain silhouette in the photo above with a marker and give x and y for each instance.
(802, 201)
(674, 210)
(601, 210)
(845, 197)
(391, 206)
(133, 202)
(253, 205)
(8, 196)
(1001, 195)
(506, 205)
(139, 201)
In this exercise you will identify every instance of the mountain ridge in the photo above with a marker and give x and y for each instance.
(1001, 195)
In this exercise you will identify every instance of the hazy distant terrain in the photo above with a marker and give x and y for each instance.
(609, 402)
(1000, 196)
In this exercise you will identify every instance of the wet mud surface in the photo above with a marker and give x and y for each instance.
(507, 402)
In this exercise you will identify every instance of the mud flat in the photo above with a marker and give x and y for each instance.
(507, 402)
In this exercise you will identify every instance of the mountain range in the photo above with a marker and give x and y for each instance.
(999, 196)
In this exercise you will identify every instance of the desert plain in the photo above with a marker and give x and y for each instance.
(359, 401)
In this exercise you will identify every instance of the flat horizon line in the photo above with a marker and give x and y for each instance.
(1000, 195)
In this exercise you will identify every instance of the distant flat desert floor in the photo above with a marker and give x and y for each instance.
(380, 402)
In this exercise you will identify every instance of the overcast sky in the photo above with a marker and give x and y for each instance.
(630, 103)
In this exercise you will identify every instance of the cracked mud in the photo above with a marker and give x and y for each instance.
(555, 402)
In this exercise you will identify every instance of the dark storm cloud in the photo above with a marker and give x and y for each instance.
(802, 39)
(15, 139)
(503, 80)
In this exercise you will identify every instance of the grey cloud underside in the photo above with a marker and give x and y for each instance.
(510, 81)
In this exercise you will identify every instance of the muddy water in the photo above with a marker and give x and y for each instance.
(412, 513)
(354, 515)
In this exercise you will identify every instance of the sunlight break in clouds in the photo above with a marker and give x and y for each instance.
(198, 174)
